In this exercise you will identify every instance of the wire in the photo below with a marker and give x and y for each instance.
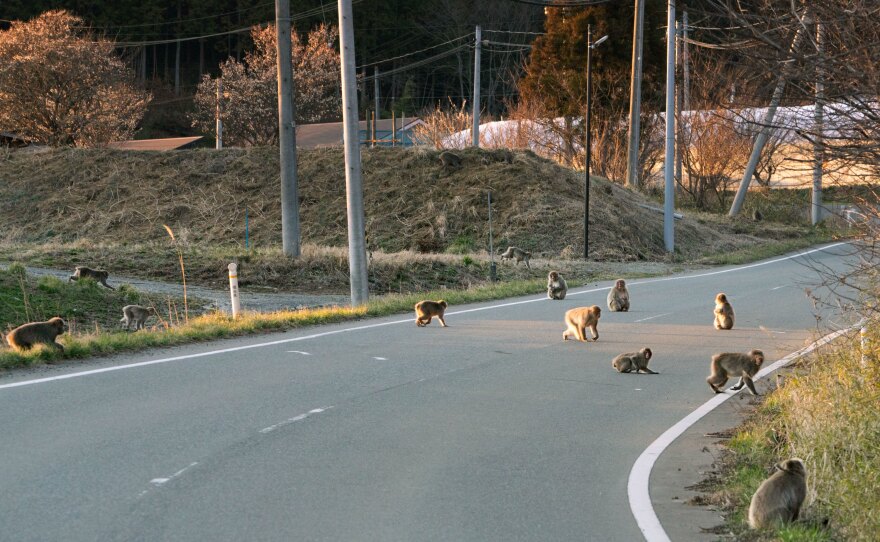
(416, 52)
(417, 63)
(562, 3)
(178, 21)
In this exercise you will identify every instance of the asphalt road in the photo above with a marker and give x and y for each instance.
(490, 429)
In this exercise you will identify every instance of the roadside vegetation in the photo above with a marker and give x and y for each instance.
(825, 413)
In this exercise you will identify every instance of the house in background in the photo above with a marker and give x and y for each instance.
(329, 134)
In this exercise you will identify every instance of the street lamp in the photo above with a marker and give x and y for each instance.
(591, 45)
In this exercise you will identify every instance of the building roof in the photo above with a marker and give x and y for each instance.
(166, 144)
(329, 134)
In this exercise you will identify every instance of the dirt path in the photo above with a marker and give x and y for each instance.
(254, 301)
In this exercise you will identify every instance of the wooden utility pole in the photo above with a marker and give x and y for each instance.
(635, 98)
(290, 236)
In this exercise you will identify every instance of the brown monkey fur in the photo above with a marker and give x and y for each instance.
(518, 255)
(425, 310)
(579, 319)
(26, 336)
(733, 364)
(723, 312)
(779, 498)
(634, 362)
(556, 286)
(618, 297)
(99, 275)
(136, 314)
(450, 160)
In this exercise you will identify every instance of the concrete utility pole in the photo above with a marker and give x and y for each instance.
(376, 102)
(766, 127)
(635, 98)
(686, 89)
(475, 130)
(290, 236)
(818, 124)
(357, 264)
(678, 103)
(669, 192)
(217, 117)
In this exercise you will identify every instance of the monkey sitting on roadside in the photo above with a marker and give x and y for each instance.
(98, 275)
(450, 160)
(136, 314)
(27, 335)
(723, 312)
(618, 297)
(556, 286)
(425, 310)
(634, 362)
(779, 498)
(732, 364)
(518, 255)
(579, 319)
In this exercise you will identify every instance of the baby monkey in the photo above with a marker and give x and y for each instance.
(732, 364)
(425, 310)
(723, 312)
(634, 362)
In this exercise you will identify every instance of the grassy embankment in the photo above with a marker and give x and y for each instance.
(825, 413)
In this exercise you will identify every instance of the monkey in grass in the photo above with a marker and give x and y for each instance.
(137, 315)
(634, 362)
(425, 310)
(578, 320)
(98, 275)
(779, 498)
(556, 286)
(25, 336)
(733, 364)
(518, 255)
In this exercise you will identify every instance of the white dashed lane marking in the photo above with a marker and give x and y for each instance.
(295, 419)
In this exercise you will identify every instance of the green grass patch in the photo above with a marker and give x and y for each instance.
(768, 249)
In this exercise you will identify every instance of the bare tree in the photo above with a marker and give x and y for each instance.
(61, 85)
(249, 104)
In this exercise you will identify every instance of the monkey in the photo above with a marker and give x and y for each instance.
(723, 312)
(779, 497)
(136, 314)
(556, 286)
(757, 216)
(634, 362)
(450, 160)
(425, 310)
(485, 160)
(518, 255)
(27, 335)
(579, 319)
(734, 364)
(99, 275)
(618, 297)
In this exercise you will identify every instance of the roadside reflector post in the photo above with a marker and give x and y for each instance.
(233, 289)
(863, 335)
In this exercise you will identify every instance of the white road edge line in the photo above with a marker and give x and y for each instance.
(638, 484)
(652, 317)
(382, 324)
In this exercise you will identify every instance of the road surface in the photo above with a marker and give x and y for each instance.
(490, 429)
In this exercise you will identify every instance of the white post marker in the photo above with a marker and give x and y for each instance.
(863, 335)
(233, 289)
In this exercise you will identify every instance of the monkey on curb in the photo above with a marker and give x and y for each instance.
(733, 364)
(723, 312)
(450, 160)
(98, 275)
(634, 362)
(137, 315)
(26, 336)
(425, 310)
(779, 498)
(556, 286)
(579, 319)
(517, 254)
(618, 297)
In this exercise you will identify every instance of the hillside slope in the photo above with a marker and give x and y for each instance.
(412, 203)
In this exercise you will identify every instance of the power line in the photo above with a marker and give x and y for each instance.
(178, 21)
(415, 52)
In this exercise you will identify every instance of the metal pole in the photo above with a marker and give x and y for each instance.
(287, 133)
(669, 192)
(247, 230)
(818, 125)
(357, 264)
(635, 98)
(686, 89)
(475, 130)
(376, 102)
(393, 128)
(493, 270)
(589, 142)
(766, 127)
(217, 120)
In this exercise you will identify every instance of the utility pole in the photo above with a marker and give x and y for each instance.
(669, 192)
(818, 124)
(588, 149)
(218, 121)
(376, 102)
(357, 264)
(686, 89)
(635, 98)
(475, 129)
(290, 236)
(766, 126)
(678, 103)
